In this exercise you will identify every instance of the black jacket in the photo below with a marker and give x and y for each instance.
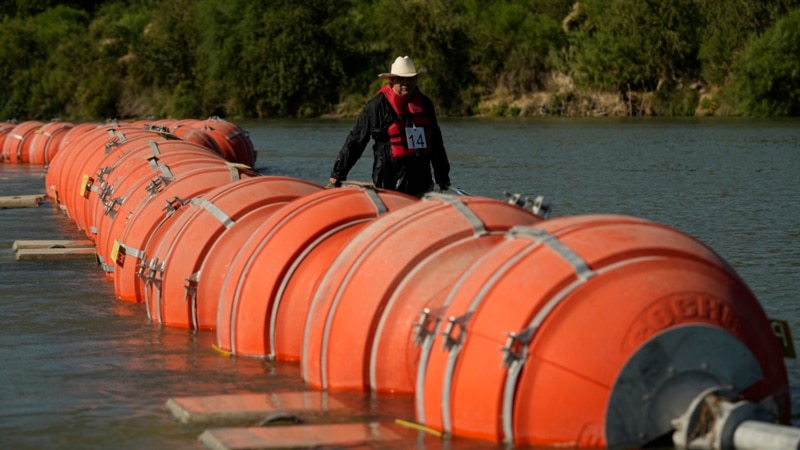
(409, 174)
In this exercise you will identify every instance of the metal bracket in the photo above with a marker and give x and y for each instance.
(426, 325)
(115, 142)
(455, 325)
(513, 349)
(717, 419)
(191, 286)
(157, 184)
(173, 205)
(537, 205)
(110, 205)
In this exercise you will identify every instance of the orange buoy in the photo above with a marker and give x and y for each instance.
(254, 291)
(394, 355)
(45, 141)
(5, 129)
(295, 301)
(175, 254)
(130, 170)
(84, 148)
(15, 146)
(196, 136)
(137, 176)
(127, 238)
(130, 160)
(232, 140)
(217, 261)
(592, 331)
(346, 307)
(80, 181)
(117, 206)
(54, 166)
(64, 175)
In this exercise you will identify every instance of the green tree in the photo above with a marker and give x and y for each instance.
(270, 59)
(102, 87)
(767, 77)
(640, 44)
(728, 26)
(40, 56)
(513, 40)
(94, 59)
(27, 8)
(161, 55)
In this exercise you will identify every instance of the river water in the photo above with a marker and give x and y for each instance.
(82, 370)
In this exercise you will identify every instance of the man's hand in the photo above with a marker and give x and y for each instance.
(333, 182)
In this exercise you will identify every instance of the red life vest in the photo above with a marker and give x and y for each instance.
(411, 115)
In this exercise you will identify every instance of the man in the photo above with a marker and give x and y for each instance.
(407, 140)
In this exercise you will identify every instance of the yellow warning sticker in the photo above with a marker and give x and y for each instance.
(115, 251)
(84, 184)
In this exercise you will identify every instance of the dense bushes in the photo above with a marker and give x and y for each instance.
(194, 58)
(767, 76)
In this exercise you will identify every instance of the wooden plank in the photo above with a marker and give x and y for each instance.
(250, 407)
(21, 201)
(297, 436)
(55, 254)
(58, 243)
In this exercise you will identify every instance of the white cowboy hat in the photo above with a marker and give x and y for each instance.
(403, 66)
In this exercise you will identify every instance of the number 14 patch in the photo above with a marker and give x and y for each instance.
(416, 138)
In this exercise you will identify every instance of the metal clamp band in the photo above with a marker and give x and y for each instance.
(154, 146)
(135, 252)
(214, 211)
(380, 206)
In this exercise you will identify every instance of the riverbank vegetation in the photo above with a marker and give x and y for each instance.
(87, 60)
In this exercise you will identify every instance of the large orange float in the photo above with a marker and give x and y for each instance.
(177, 250)
(188, 123)
(15, 146)
(394, 355)
(130, 236)
(135, 155)
(286, 334)
(261, 283)
(138, 157)
(197, 136)
(5, 128)
(54, 167)
(592, 331)
(587, 331)
(138, 176)
(218, 261)
(83, 174)
(346, 308)
(62, 176)
(233, 141)
(45, 142)
(92, 146)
